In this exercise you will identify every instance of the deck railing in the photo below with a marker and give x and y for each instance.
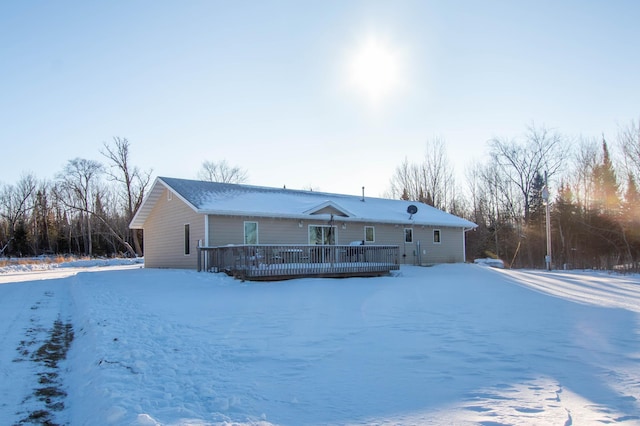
(271, 262)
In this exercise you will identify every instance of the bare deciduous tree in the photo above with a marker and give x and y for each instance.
(629, 141)
(15, 202)
(584, 163)
(518, 166)
(77, 189)
(405, 182)
(133, 182)
(221, 171)
(542, 151)
(437, 174)
(499, 199)
(430, 181)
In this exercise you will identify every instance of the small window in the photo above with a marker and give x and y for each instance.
(186, 240)
(251, 232)
(408, 235)
(369, 234)
(436, 236)
(169, 196)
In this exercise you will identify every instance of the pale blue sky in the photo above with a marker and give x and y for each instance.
(264, 84)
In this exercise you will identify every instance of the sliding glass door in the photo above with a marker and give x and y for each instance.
(323, 235)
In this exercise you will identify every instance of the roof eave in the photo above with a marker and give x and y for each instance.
(335, 218)
(150, 200)
(144, 209)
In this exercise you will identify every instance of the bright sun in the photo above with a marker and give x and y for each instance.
(375, 70)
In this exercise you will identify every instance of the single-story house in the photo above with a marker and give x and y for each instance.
(178, 216)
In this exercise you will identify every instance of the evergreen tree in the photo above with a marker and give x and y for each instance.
(606, 187)
(566, 218)
(41, 223)
(631, 205)
(535, 222)
(405, 195)
(20, 239)
(536, 202)
(631, 221)
(428, 199)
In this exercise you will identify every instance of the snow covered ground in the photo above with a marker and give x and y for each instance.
(450, 344)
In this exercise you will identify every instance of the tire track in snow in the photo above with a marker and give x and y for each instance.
(20, 303)
(39, 350)
(49, 390)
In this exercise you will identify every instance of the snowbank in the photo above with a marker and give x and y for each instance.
(42, 265)
(495, 263)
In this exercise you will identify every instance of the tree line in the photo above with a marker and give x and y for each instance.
(594, 200)
(86, 209)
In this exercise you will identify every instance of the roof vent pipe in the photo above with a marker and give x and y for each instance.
(362, 194)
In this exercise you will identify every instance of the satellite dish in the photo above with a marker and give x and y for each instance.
(412, 209)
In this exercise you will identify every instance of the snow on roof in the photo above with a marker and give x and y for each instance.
(248, 200)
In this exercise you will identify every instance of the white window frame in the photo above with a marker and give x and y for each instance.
(169, 195)
(373, 233)
(187, 239)
(405, 235)
(439, 233)
(245, 232)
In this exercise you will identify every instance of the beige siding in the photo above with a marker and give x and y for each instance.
(225, 230)
(449, 250)
(230, 230)
(164, 234)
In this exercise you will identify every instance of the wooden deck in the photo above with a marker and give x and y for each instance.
(279, 262)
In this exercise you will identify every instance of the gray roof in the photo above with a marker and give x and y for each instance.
(246, 200)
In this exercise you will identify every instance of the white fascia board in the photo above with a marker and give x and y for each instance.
(149, 201)
(146, 205)
(184, 200)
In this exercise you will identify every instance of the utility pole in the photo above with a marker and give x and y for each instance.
(545, 197)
